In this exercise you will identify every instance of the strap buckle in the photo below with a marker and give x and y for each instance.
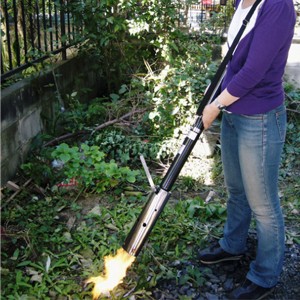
(245, 22)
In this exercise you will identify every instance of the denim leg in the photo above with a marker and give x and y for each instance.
(261, 160)
(260, 142)
(238, 210)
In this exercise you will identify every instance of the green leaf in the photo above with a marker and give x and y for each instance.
(131, 178)
(123, 89)
(65, 157)
(114, 97)
(24, 263)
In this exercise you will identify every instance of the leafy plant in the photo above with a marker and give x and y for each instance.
(125, 148)
(87, 165)
(175, 91)
(291, 151)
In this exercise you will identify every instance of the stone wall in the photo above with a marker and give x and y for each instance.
(28, 104)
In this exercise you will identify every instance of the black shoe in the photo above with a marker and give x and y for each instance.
(250, 290)
(215, 254)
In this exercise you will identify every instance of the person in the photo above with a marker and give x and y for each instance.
(253, 131)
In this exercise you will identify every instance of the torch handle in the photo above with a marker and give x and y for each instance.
(182, 154)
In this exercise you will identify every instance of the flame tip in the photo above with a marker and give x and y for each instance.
(115, 268)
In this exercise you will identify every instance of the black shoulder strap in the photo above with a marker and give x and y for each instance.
(217, 79)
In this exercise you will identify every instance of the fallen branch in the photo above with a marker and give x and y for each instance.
(108, 123)
(83, 132)
(65, 137)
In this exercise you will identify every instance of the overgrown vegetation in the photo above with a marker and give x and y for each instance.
(88, 186)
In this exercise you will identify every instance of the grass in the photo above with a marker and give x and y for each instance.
(51, 244)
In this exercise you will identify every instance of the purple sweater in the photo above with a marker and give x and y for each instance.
(255, 71)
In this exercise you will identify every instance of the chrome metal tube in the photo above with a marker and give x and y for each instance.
(146, 221)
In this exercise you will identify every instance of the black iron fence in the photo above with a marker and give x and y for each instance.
(31, 31)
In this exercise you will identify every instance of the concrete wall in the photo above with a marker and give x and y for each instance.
(292, 70)
(27, 104)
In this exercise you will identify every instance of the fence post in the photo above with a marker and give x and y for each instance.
(63, 30)
(8, 36)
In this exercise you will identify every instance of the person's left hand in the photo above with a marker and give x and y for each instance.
(210, 113)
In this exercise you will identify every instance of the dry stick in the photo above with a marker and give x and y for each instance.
(106, 124)
(16, 193)
(111, 122)
(292, 100)
(293, 110)
(65, 137)
(59, 97)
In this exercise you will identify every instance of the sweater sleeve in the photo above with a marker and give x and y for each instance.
(271, 31)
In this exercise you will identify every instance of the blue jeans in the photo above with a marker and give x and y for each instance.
(251, 150)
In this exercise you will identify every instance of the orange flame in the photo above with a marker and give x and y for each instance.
(115, 268)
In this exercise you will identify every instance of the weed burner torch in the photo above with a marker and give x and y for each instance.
(160, 195)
